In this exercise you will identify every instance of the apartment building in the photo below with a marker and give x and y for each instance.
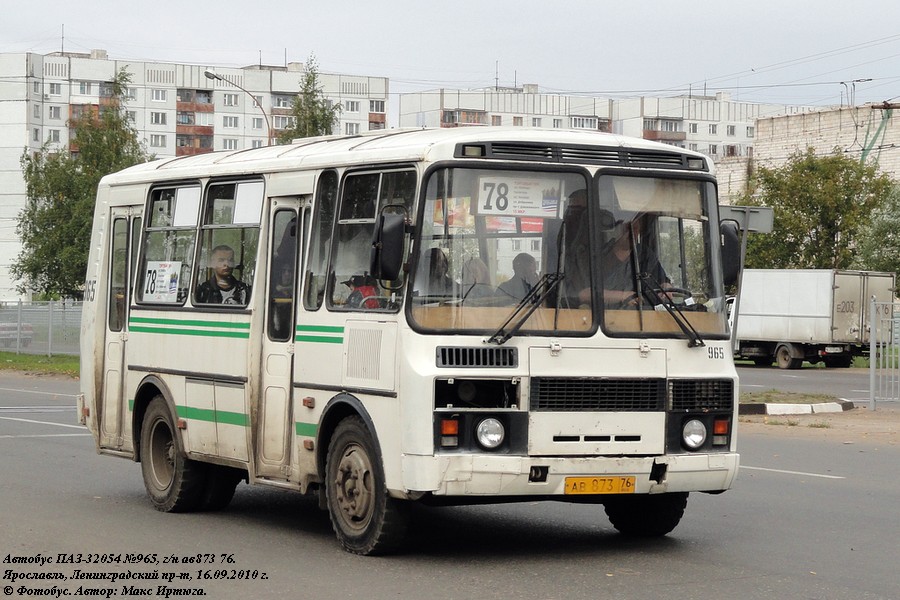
(177, 109)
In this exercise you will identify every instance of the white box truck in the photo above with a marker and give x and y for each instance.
(793, 315)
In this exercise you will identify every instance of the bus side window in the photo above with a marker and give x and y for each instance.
(320, 244)
(118, 271)
(169, 245)
(282, 275)
(359, 201)
(230, 239)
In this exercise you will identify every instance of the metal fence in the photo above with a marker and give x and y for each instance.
(884, 352)
(40, 327)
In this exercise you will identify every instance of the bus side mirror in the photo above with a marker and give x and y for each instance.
(731, 251)
(386, 258)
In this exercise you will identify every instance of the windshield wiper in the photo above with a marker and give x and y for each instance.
(694, 340)
(530, 303)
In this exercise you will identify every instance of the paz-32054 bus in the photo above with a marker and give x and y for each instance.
(436, 316)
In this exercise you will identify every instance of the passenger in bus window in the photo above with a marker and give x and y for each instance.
(433, 277)
(628, 249)
(476, 280)
(523, 279)
(362, 290)
(223, 287)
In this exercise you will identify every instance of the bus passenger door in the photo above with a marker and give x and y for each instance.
(124, 230)
(275, 423)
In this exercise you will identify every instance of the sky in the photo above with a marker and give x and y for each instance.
(815, 52)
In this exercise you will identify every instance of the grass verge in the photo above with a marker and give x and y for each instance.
(36, 363)
(775, 396)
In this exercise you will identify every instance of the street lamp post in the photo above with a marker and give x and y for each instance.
(210, 75)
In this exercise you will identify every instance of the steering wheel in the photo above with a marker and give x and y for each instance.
(681, 295)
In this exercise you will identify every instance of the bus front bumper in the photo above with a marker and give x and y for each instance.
(494, 475)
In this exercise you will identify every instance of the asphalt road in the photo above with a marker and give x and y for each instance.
(809, 517)
(847, 384)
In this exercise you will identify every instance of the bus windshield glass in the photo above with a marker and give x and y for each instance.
(504, 251)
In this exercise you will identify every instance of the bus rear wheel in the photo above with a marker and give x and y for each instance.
(365, 518)
(174, 482)
(650, 515)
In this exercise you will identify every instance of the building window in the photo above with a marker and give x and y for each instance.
(281, 122)
(376, 106)
(713, 129)
(351, 106)
(185, 118)
(584, 123)
(692, 127)
(375, 126)
(130, 93)
(85, 88)
(670, 126)
(517, 121)
(36, 87)
(750, 132)
(649, 125)
(37, 111)
(516, 245)
(730, 130)
(230, 144)
(131, 115)
(257, 123)
(204, 119)
(55, 112)
(557, 123)
(230, 122)
(496, 120)
(230, 99)
(54, 135)
(256, 143)
(536, 122)
(159, 95)
(56, 89)
(713, 150)
(283, 101)
(535, 245)
(158, 118)
(351, 128)
(692, 147)
(36, 134)
(157, 141)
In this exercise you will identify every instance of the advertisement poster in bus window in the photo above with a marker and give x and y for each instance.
(161, 281)
(459, 213)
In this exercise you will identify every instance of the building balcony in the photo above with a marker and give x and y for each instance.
(194, 129)
(664, 136)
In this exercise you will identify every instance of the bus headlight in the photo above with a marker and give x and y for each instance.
(693, 434)
(490, 433)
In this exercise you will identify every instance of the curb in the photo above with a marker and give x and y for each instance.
(748, 408)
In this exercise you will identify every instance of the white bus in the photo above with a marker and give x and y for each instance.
(451, 316)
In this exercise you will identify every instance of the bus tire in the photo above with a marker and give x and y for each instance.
(649, 515)
(366, 520)
(220, 485)
(174, 482)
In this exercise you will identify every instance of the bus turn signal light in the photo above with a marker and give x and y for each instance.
(449, 433)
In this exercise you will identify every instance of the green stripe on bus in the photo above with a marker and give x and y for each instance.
(320, 329)
(319, 338)
(189, 323)
(306, 429)
(200, 332)
(213, 416)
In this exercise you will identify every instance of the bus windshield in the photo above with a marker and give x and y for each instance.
(505, 251)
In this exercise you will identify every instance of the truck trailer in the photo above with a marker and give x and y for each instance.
(788, 316)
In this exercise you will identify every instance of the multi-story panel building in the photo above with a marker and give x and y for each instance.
(177, 109)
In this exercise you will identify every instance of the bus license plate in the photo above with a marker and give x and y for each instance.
(600, 485)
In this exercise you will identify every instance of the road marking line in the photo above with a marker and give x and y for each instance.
(46, 435)
(43, 422)
(793, 472)
(37, 392)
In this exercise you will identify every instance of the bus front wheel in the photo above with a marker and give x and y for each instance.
(646, 515)
(366, 520)
(174, 482)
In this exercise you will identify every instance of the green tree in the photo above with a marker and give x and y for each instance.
(61, 186)
(879, 242)
(821, 205)
(313, 113)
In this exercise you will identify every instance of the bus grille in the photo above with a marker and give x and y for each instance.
(691, 395)
(498, 357)
(584, 394)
